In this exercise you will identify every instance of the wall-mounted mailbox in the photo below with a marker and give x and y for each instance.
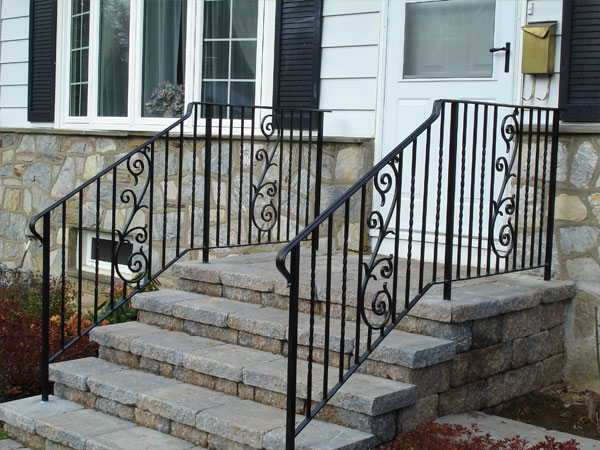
(539, 43)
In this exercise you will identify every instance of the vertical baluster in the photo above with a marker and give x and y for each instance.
(424, 216)
(552, 194)
(180, 178)
(207, 179)
(219, 177)
(461, 201)
(80, 262)
(165, 202)
(438, 203)
(241, 188)
(327, 304)
(492, 190)
(482, 187)
(519, 151)
(63, 276)
(543, 196)
(527, 175)
(535, 186)
(360, 299)
(472, 192)
(45, 307)
(452, 156)
(281, 116)
(250, 188)
(151, 212)
(290, 163)
(230, 176)
(113, 248)
(311, 333)
(308, 171)
(319, 161)
(96, 249)
(344, 288)
(194, 152)
(298, 190)
(290, 426)
(398, 206)
(411, 215)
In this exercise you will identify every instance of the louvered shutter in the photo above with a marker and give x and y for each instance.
(580, 61)
(297, 53)
(42, 56)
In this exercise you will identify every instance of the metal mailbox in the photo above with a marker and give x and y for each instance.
(539, 43)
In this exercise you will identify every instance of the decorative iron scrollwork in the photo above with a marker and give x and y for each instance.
(263, 211)
(381, 267)
(137, 262)
(503, 239)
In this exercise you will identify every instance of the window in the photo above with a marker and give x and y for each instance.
(136, 62)
(101, 250)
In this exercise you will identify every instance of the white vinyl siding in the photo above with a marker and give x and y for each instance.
(349, 66)
(14, 52)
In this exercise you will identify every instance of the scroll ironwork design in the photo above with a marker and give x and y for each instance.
(504, 206)
(137, 262)
(265, 191)
(381, 267)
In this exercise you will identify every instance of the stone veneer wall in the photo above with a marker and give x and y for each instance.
(577, 252)
(38, 168)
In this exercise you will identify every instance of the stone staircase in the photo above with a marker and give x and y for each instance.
(205, 366)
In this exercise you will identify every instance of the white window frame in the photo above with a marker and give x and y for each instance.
(104, 267)
(193, 67)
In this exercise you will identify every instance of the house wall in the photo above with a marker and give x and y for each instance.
(14, 48)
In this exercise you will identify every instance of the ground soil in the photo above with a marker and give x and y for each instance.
(559, 407)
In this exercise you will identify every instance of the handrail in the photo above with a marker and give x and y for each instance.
(180, 191)
(471, 189)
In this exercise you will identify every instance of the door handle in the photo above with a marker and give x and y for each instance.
(506, 50)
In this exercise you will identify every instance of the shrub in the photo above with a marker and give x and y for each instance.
(443, 436)
(21, 334)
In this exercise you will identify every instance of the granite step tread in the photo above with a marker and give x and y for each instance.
(212, 412)
(74, 426)
(363, 393)
(400, 347)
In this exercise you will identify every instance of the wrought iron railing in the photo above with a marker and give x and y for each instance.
(222, 176)
(471, 191)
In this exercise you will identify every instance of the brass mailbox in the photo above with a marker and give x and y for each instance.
(539, 42)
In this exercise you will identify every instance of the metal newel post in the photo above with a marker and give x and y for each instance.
(45, 307)
(207, 177)
(551, 195)
(290, 424)
(452, 155)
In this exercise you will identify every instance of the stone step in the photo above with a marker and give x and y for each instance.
(266, 328)
(196, 414)
(59, 423)
(365, 402)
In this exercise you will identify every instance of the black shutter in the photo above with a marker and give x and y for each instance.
(580, 61)
(297, 53)
(42, 57)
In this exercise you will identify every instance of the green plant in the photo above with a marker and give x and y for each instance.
(3, 435)
(125, 313)
(167, 100)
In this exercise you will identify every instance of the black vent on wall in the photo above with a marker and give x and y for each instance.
(580, 61)
(42, 57)
(297, 53)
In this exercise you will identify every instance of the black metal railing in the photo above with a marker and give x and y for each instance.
(222, 176)
(471, 191)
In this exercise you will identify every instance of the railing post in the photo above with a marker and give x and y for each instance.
(290, 424)
(45, 306)
(551, 195)
(207, 176)
(452, 154)
(318, 168)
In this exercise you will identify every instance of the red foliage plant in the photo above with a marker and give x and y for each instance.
(20, 345)
(444, 436)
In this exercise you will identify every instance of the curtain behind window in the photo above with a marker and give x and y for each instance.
(113, 61)
(164, 57)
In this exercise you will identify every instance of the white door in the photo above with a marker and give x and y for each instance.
(440, 49)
